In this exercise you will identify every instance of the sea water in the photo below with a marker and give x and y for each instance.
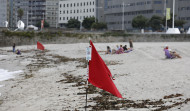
(5, 74)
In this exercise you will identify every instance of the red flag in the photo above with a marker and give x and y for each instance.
(42, 24)
(99, 74)
(40, 46)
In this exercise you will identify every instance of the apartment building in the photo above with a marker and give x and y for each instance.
(34, 11)
(4, 12)
(52, 12)
(116, 10)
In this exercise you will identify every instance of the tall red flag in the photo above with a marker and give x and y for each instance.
(99, 74)
(40, 46)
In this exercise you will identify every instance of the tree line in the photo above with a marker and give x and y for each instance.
(156, 23)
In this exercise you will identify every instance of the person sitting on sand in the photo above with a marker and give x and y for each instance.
(120, 50)
(125, 48)
(18, 52)
(170, 54)
(108, 50)
(115, 50)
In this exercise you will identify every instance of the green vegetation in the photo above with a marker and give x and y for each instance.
(178, 23)
(87, 22)
(155, 22)
(140, 22)
(46, 24)
(19, 34)
(99, 26)
(20, 13)
(73, 23)
(116, 34)
(31, 34)
(79, 35)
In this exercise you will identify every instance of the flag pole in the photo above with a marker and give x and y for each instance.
(87, 85)
(87, 58)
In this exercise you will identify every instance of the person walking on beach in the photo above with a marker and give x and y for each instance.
(14, 47)
(130, 43)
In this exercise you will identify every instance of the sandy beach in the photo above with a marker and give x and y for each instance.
(54, 79)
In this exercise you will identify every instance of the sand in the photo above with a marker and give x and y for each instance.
(55, 79)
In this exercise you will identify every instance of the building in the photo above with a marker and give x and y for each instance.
(116, 10)
(20, 4)
(52, 12)
(37, 10)
(4, 5)
(183, 11)
(34, 11)
(80, 9)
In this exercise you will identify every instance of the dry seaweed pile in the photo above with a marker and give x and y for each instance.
(105, 101)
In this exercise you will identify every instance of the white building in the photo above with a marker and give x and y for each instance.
(76, 9)
(3, 12)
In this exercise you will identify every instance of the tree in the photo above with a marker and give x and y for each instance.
(156, 22)
(20, 13)
(139, 22)
(73, 23)
(46, 24)
(99, 26)
(178, 23)
(87, 22)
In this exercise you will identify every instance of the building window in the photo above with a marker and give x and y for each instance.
(74, 11)
(84, 11)
(158, 11)
(77, 4)
(93, 10)
(67, 11)
(60, 18)
(71, 4)
(157, 2)
(67, 5)
(90, 3)
(67, 18)
(84, 3)
(64, 12)
(60, 5)
(70, 11)
(87, 3)
(63, 18)
(77, 11)
(60, 12)
(64, 5)
(80, 4)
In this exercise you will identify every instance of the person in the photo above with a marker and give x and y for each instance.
(14, 47)
(108, 50)
(170, 54)
(120, 50)
(131, 43)
(125, 48)
(114, 51)
(18, 52)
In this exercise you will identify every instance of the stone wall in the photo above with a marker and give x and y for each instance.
(8, 41)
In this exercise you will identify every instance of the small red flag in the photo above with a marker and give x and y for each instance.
(40, 46)
(99, 74)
